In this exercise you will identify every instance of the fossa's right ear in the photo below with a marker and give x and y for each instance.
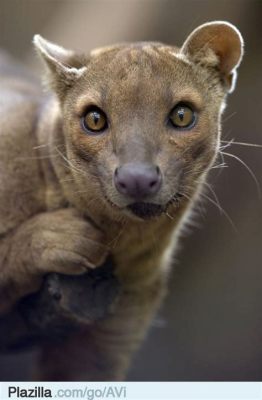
(216, 44)
(64, 67)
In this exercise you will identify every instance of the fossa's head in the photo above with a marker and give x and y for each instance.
(142, 121)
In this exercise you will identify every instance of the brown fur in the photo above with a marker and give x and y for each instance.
(59, 210)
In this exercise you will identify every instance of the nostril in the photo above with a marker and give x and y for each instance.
(157, 170)
(122, 185)
(153, 183)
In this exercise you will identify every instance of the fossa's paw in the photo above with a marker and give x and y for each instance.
(66, 243)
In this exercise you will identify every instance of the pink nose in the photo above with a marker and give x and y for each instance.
(138, 180)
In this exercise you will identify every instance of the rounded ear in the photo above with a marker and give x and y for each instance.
(216, 44)
(64, 66)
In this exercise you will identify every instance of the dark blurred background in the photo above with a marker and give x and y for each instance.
(210, 326)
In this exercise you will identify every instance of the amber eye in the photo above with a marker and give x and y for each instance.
(182, 116)
(94, 121)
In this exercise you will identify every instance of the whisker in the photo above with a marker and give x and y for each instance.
(114, 242)
(213, 193)
(36, 157)
(169, 216)
(229, 117)
(242, 143)
(40, 146)
(222, 165)
(248, 169)
(228, 144)
(223, 160)
(198, 203)
(47, 144)
(222, 211)
(69, 162)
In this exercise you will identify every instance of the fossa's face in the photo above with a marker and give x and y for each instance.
(142, 125)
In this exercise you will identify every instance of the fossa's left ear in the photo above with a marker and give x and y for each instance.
(64, 67)
(216, 44)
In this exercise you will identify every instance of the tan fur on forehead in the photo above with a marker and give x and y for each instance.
(141, 59)
(137, 51)
(102, 50)
(125, 45)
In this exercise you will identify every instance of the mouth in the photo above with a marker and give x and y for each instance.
(150, 210)
(146, 210)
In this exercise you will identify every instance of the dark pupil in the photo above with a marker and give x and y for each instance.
(181, 114)
(96, 117)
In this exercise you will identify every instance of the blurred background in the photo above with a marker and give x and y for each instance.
(210, 326)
